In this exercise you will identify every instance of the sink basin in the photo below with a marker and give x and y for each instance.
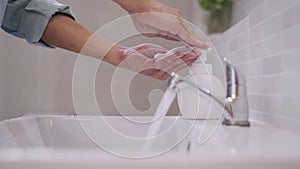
(69, 141)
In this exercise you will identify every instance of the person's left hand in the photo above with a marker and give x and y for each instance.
(159, 20)
(141, 59)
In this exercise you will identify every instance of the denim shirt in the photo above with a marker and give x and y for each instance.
(28, 19)
(3, 4)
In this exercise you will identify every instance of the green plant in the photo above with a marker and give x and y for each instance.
(220, 14)
(213, 5)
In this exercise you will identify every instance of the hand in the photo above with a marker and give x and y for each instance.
(154, 19)
(141, 59)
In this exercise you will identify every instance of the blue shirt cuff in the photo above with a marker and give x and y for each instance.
(28, 19)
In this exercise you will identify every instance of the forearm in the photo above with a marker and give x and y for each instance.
(64, 32)
(135, 6)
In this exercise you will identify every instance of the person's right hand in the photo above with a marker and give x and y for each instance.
(141, 59)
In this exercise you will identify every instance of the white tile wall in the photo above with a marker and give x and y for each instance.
(265, 47)
(242, 8)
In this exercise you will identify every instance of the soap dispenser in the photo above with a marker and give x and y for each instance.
(191, 104)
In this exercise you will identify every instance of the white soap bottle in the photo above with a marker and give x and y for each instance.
(191, 104)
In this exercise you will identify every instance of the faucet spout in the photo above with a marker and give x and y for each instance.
(235, 104)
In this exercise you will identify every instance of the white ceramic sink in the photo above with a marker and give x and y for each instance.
(61, 142)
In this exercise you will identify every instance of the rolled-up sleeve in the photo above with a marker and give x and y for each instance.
(28, 19)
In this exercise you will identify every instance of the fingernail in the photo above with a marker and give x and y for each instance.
(192, 58)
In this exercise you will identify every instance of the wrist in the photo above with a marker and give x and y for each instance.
(115, 55)
(136, 6)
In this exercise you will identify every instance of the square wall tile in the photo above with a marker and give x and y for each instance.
(272, 105)
(241, 27)
(291, 39)
(291, 16)
(290, 3)
(290, 107)
(256, 16)
(242, 68)
(240, 56)
(239, 42)
(254, 85)
(271, 8)
(272, 85)
(254, 102)
(256, 33)
(254, 68)
(273, 26)
(290, 61)
(272, 46)
(289, 85)
(272, 65)
(256, 50)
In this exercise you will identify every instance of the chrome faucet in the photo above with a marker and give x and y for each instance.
(235, 103)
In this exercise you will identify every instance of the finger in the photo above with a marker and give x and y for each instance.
(187, 35)
(187, 60)
(149, 72)
(150, 50)
(150, 47)
(182, 64)
(167, 64)
(197, 52)
(159, 35)
(169, 59)
(167, 36)
(160, 75)
(170, 68)
(189, 56)
(144, 46)
(160, 30)
(164, 75)
(183, 35)
(156, 74)
(189, 39)
(171, 63)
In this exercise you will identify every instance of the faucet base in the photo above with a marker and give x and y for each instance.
(236, 123)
